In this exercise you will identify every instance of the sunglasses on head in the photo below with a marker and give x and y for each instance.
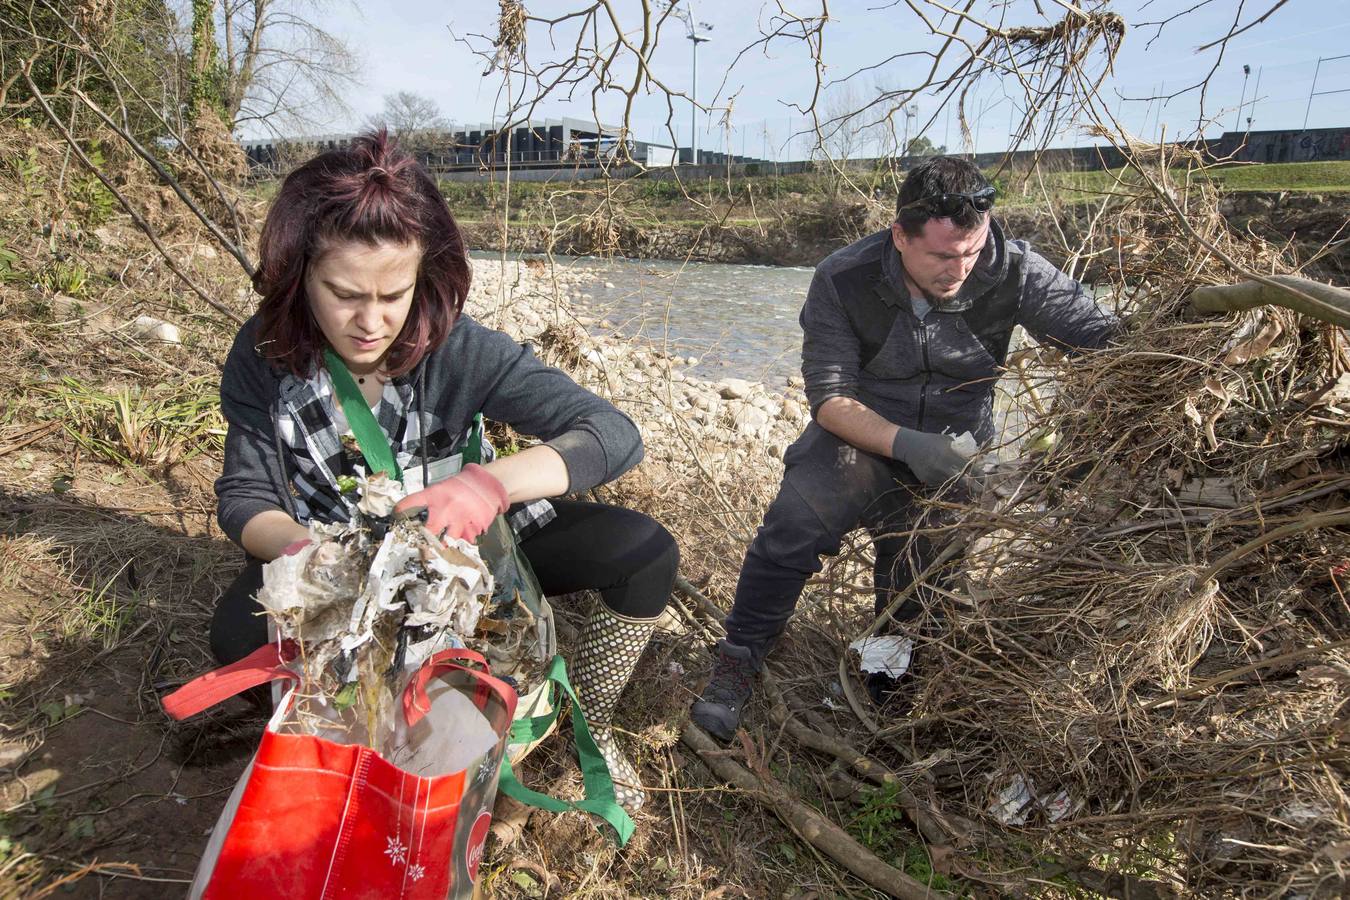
(944, 206)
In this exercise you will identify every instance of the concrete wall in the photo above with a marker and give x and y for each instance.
(1257, 146)
(1285, 146)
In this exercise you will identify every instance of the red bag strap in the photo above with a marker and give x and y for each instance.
(263, 665)
(415, 702)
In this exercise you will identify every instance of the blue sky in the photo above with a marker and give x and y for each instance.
(411, 46)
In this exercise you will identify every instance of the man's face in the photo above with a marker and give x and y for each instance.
(942, 257)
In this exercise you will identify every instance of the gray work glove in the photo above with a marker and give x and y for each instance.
(931, 457)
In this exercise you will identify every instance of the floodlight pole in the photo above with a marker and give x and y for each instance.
(1237, 122)
(697, 32)
(1314, 92)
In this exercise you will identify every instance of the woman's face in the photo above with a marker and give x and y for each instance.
(360, 295)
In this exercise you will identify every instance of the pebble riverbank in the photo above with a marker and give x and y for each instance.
(731, 421)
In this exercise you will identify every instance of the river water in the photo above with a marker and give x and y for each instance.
(737, 321)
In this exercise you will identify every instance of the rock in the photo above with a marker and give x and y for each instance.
(203, 251)
(776, 450)
(792, 410)
(734, 388)
(106, 235)
(148, 328)
(796, 381)
(609, 285)
(750, 420)
(64, 307)
(11, 754)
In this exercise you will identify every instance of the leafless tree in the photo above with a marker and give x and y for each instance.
(416, 119)
(847, 135)
(282, 71)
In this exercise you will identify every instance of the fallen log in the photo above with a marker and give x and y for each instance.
(1311, 298)
(808, 823)
(933, 829)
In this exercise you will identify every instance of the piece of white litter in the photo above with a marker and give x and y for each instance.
(379, 494)
(966, 445)
(1058, 806)
(1012, 806)
(1301, 813)
(885, 653)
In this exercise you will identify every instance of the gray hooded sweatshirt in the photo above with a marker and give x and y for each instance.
(476, 369)
(935, 370)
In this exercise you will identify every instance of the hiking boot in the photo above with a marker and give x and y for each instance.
(892, 695)
(882, 687)
(718, 711)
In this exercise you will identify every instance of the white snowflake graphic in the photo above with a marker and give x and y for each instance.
(396, 851)
(416, 871)
(486, 770)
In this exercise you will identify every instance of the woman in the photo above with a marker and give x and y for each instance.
(363, 268)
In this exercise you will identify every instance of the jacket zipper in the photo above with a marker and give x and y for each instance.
(927, 371)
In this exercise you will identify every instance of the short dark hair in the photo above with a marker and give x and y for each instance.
(370, 191)
(938, 175)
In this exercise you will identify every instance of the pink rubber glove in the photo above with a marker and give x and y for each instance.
(295, 547)
(463, 505)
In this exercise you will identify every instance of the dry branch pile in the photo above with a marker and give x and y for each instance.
(1147, 662)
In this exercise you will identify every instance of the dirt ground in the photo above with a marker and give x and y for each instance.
(106, 598)
(109, 575)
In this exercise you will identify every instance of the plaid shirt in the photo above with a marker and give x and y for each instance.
(314, 429)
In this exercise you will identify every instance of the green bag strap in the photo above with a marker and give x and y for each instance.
(369, 437)
(473, 447)
(595, 777)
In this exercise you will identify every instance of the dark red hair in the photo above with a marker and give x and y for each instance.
(370, 192)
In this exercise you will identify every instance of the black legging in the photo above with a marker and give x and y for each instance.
(625, 555)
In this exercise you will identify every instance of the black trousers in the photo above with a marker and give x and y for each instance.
(829, 488)
(625, 555)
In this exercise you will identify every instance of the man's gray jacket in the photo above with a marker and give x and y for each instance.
(863, 340)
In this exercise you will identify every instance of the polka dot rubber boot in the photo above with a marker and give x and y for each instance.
(606, 656)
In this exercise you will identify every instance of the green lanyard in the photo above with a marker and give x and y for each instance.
(369, 437)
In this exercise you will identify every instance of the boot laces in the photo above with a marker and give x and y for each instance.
(730, 682)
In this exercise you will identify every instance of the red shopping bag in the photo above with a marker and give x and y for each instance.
(314, 817)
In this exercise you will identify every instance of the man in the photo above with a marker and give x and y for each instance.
(905, 332)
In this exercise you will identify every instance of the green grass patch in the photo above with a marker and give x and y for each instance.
(880, 827)
(61, 276)
(137, 427)
(1329, 175)
(101, 613)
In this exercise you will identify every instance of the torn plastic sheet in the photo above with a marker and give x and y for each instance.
(888, 654)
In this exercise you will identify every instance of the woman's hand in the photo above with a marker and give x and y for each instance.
(463, 505)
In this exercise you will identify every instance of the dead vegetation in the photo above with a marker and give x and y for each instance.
(1135, 686)
(1148, 641)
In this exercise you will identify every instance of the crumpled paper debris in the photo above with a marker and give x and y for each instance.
(966, 445)
(1015, 803)
(361, 610)
(379, 495)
